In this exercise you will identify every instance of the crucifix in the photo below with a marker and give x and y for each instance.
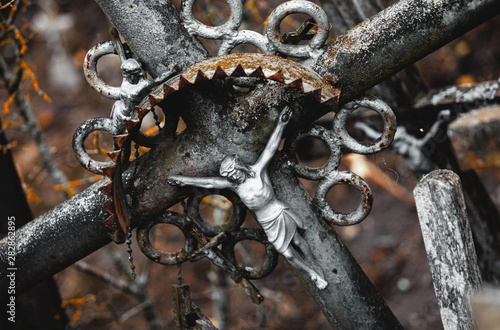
(253, 185)
(230, 104)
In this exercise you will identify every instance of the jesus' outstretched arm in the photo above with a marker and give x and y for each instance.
(274, 141)
(208, 183)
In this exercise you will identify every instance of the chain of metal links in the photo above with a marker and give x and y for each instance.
(270, 42)
(198, 234)
(215, 242)
(336, 139)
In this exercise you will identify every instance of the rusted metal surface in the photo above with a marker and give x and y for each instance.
(475, 139)
(124, 125)
(83, 131)
(380, 143)
(271, 41)
(315, 173)
(253, 234)
(354, 180)
(195, 27)
(233, 224)
(90, 69)
(124, 121)
(480, 93)
(167, 258)
(197, 242)
(290, 73)
(198, 245)
(314, 48)
(253, 186)
(120, 220)
(258, 66)
(254, 66)
(365, 55)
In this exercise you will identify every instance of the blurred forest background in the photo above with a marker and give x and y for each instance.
(55, 36)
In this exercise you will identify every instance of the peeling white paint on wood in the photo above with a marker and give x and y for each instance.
(449, 245)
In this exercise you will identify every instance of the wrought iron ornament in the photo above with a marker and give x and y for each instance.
(338, 139)
(270, 43)
(282, 226)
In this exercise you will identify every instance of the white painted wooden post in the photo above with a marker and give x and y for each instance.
(449, 245)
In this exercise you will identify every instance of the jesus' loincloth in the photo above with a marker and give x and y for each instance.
(280, 227)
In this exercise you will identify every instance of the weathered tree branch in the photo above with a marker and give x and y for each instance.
(26, 111)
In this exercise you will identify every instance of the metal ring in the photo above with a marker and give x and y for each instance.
(388, 117)
(90, 69)
(340, 218)
(254, 234)
(273, 31)
(245, 37)
(193, 206)
(212, 32)
(81, 133)
(166, 258)
(315, 173)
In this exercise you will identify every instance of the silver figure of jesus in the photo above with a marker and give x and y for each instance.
(254, 187)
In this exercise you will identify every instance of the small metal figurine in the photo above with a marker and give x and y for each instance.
(135, 86)
(133, 89)
(254, 187)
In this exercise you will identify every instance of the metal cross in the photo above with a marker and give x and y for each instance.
(248, 70)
